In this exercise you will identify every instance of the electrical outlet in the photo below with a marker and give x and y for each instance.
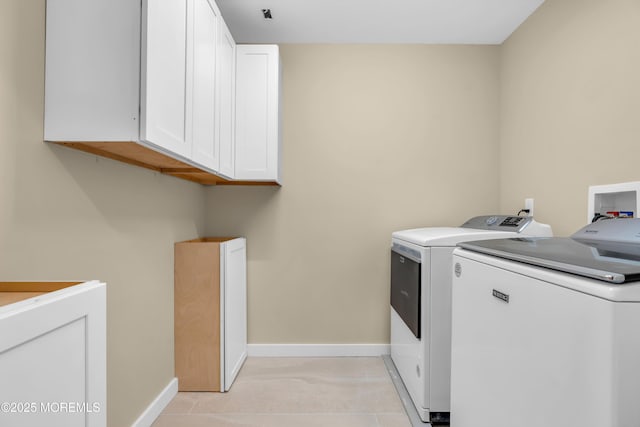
(528, 204)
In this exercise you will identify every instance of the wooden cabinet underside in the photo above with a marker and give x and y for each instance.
(139, 155)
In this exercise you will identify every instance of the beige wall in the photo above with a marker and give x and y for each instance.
(570, 106)
(375, 139)
(68, 215)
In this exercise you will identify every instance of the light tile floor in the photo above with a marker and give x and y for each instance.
(295, 392)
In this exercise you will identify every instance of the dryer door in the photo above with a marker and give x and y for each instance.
(405, 286)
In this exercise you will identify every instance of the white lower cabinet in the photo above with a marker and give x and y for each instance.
(53, 354)
(210, 312)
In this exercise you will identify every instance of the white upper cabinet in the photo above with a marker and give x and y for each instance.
(161, 84)
(226, 87)
(257, 112)
(204, 33)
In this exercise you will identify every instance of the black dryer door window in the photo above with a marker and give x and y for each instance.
(405, 290)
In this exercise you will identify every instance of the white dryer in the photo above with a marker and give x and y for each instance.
(421, 303)
(545, 330)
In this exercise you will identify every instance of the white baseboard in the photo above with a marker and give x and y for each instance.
(159, 403)
(318, 350)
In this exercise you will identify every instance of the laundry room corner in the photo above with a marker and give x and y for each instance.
(366, 151)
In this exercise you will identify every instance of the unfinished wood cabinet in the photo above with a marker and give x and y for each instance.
(210, 312)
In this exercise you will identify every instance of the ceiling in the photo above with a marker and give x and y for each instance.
(376, 21)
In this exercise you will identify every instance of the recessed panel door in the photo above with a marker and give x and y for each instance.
(165, 79)
(235, 308)
(206, 150)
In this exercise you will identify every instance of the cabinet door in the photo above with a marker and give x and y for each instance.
(225, 85)
(234, 315)
(257, 112)
(203, 126)
(164, 75)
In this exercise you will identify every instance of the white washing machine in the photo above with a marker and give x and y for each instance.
(546, 331)
(421, 303)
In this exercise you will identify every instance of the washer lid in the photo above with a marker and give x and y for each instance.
(447, 236)
(611, 262)
(627, 292)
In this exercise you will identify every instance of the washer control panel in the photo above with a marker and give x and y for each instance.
(498, 222)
